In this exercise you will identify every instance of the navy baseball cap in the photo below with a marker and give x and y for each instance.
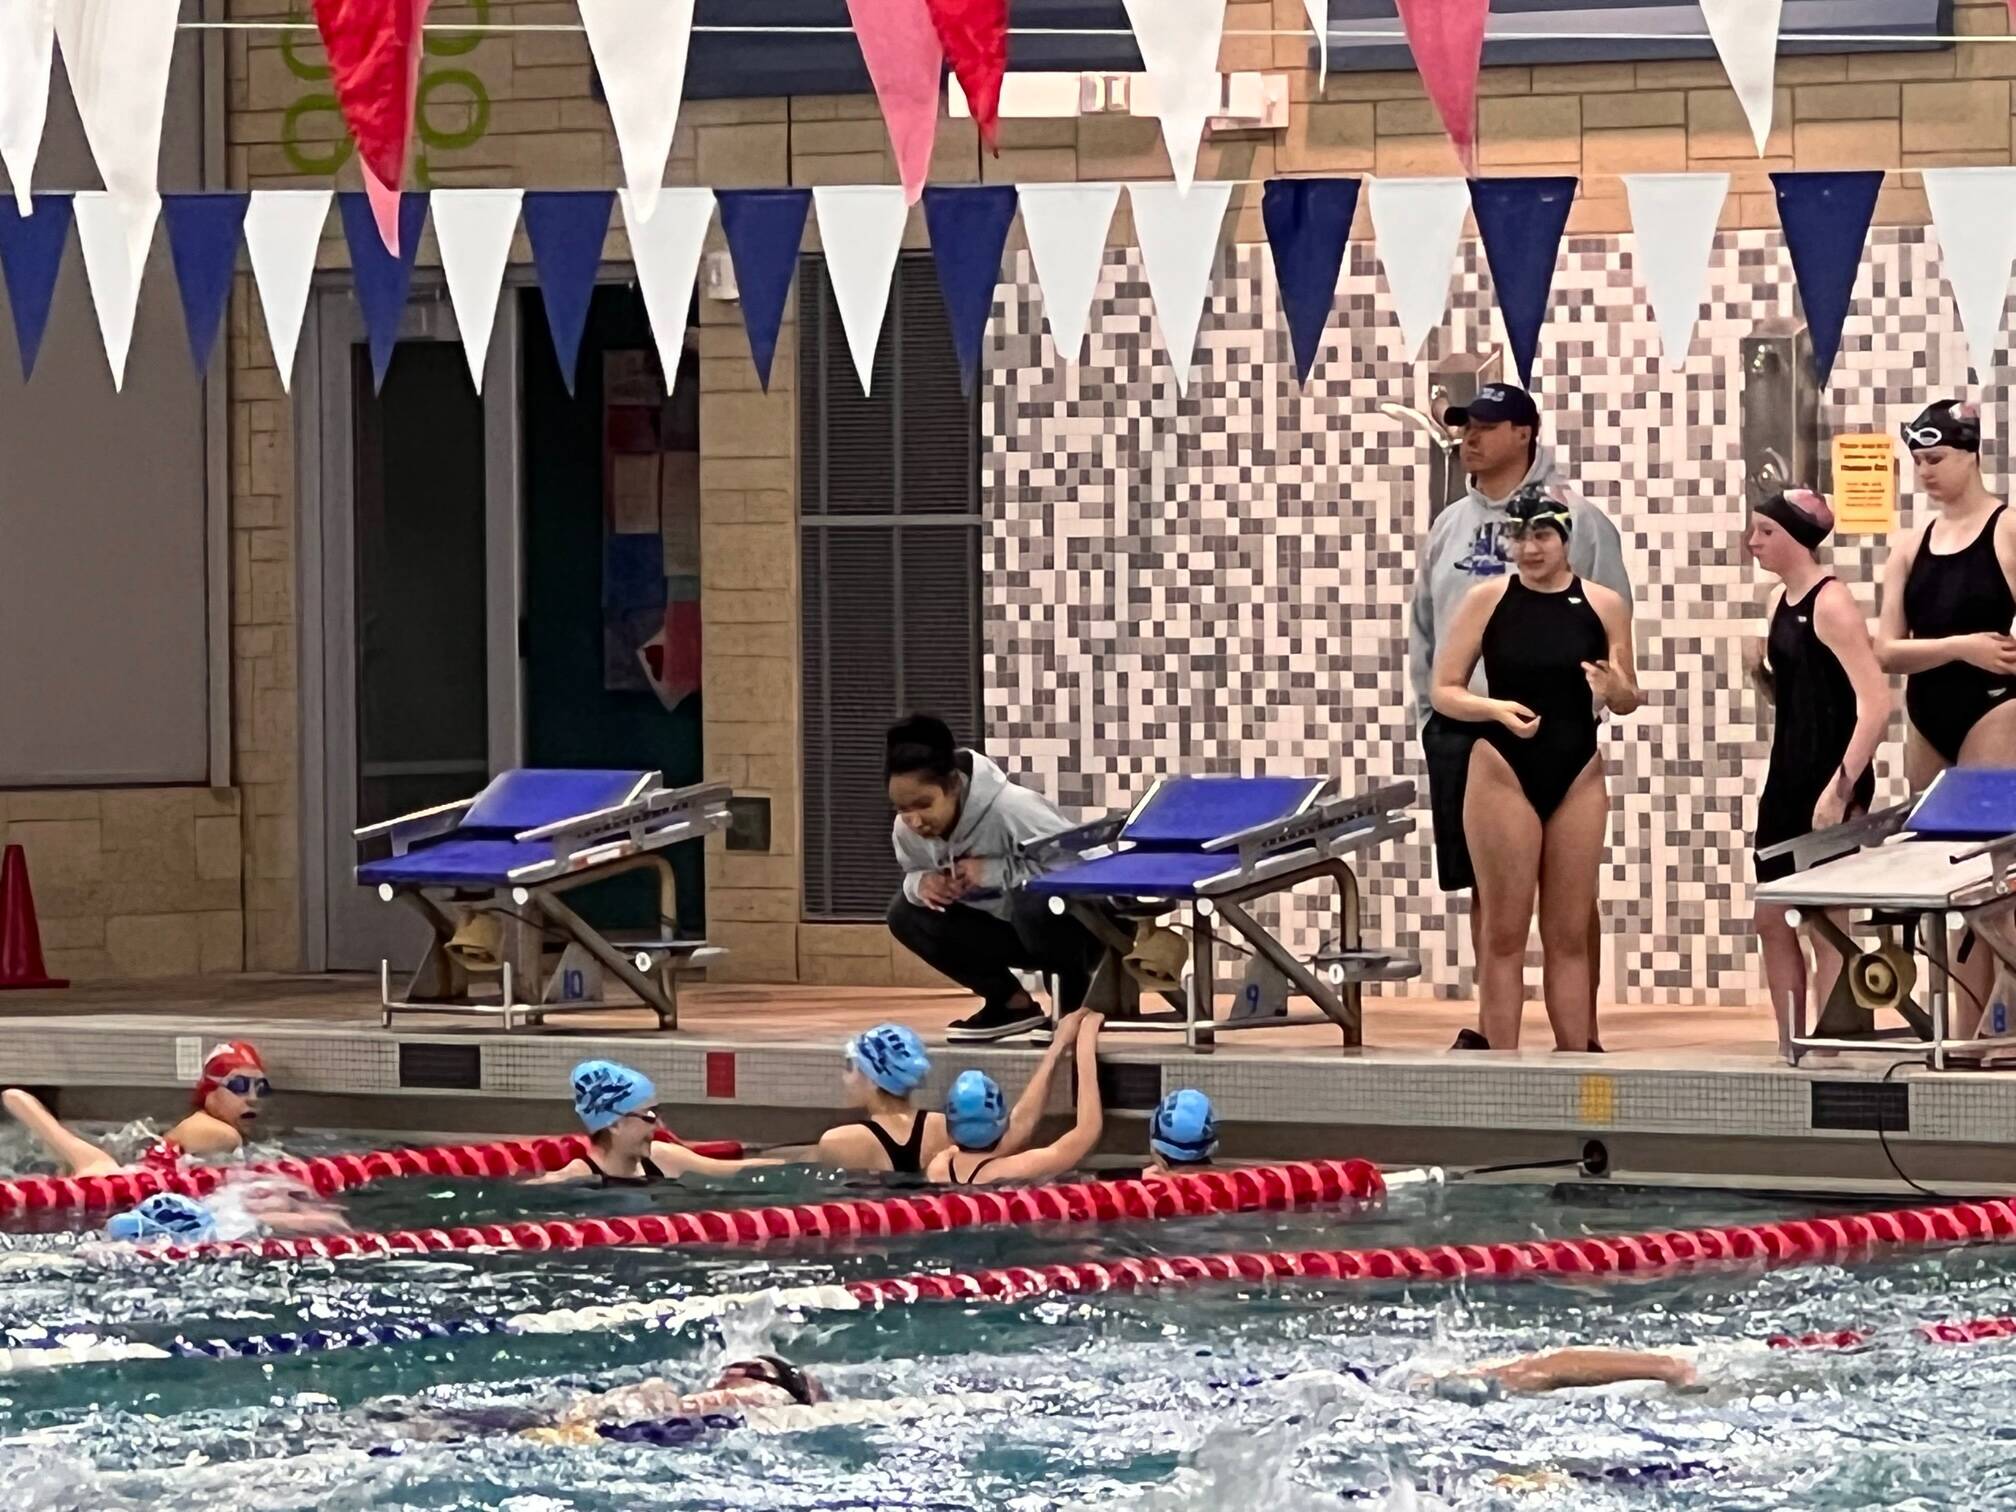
(1495, 402)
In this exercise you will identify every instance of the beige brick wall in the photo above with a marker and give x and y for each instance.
(541, 127)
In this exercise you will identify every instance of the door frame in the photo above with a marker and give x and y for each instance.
(325, 589)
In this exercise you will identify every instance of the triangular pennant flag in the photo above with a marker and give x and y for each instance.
(1067, 226)
(969, 232)
(1520, 221)
(27, 42)
(31, 255)
(374, 64)
(1416, 226)
(1974, 212)
(974, 34)
(203, 235)
(1308, 222)
(282, 230)
(666, 250)
(764, 229)
(114, 233)
(1319, 23)
(474, 228)
(1673, 220)
(1746, 39)
(640, 49)
(1179, 234)
(381, 275)
(1826, 219)
(1179, 41)
(117, 53)
(905, 59)
(861, 231)
(567, 228)
(1447, 40)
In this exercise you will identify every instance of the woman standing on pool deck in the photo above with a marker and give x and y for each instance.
(1949, 594)
(1535, 808)
(1818, 668)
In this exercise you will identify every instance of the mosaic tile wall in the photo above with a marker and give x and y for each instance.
(1218, 581)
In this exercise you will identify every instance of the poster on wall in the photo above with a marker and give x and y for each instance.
(650, 532)
(1865, 484)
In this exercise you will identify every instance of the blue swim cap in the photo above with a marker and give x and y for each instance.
(1184, 1130)
(605, 1091)
(165, 1215)
(892, 1057)
(975, 1111)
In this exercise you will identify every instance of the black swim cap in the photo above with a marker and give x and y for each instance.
(1950, 422)
(775, 1370)
(1534, 505)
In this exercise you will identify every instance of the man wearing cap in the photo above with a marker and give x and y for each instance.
(1500, 431)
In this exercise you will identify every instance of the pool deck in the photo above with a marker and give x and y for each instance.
(1681, 1089)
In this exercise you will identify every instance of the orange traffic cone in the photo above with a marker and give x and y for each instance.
(20, 938)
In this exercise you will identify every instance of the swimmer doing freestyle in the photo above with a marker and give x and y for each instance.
(226, 1104)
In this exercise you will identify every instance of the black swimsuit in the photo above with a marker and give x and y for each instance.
(1534, 647)
(907, 1158)
(1815, 721)
(1959, 592)
(651, 1177)
(952, 1170)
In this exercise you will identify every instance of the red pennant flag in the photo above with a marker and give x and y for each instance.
(905, 59)
(374, 61)
(975, 36)
(1447, 37)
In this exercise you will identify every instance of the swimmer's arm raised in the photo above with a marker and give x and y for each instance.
(1589, 1367)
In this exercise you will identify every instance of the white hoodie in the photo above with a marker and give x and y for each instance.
(996, 819)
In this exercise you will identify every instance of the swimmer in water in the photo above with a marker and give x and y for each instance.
(239, 1211)
(885, 1067)
(1564, 1370)
(226, 1104)
(1182, 1136)
(1067, 1153)
(979, 1119)
(618, 1107)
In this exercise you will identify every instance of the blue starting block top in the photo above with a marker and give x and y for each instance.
(1967, 803)
(484, 850)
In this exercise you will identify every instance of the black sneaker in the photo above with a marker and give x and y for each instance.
(995, 1023)
(1470, 1039)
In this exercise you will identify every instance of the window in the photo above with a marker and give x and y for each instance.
(889, 507)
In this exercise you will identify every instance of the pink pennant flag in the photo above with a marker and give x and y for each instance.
(905, 59)
(1447, 37)
(374, 62)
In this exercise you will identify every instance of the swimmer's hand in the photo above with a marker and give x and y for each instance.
(1990, 651)
(1603, 680)
(1516, 717)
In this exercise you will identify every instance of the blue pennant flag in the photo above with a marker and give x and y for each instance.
(31, 255)
(381, 278)
(567, 228)
(969, 232)
(764, 228)
(1826, 219)
(203, 235)
(1308, 222)
(1521, 221)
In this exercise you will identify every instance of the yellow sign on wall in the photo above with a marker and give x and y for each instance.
(1865, 484)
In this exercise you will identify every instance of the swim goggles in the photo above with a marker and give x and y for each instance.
(647, 1115)
(242, 1085)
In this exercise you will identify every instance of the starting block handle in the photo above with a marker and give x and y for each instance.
(1097, 832)
(1837, 838)
(1329, 814)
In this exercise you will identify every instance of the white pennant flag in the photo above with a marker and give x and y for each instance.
(1319, 21)
(1179, 41)
(27, 42)
(1178, 234)
(1416, 225)
(114, 233)
(1673, 219)
(474, 228)
(1746, 38)
(1974, 212)
(117, 53)
(283, 228)
(666, 249)
(1067, 226)
(640, 49)
(861, 231)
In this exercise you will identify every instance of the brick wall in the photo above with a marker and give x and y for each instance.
(517, 109)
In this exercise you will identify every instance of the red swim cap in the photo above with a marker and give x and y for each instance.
(232, 1055)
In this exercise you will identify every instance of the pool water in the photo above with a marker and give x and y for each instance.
(1293, 1397)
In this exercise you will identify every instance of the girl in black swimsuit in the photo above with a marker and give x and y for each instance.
(1535, 809)
(1818, 668)
(885, 1067)
(1949, 593)
(618, 1107)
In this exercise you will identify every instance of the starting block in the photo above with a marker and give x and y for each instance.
(487, 874)
(1211, 847)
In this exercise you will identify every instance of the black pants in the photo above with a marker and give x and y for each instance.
(980, 952)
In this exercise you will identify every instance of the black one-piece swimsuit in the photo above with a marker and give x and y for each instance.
(1816, 720)
(1534, 647)
(1959, 592)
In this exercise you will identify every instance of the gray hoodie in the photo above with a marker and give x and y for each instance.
(1467, 546)
(996, 819)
